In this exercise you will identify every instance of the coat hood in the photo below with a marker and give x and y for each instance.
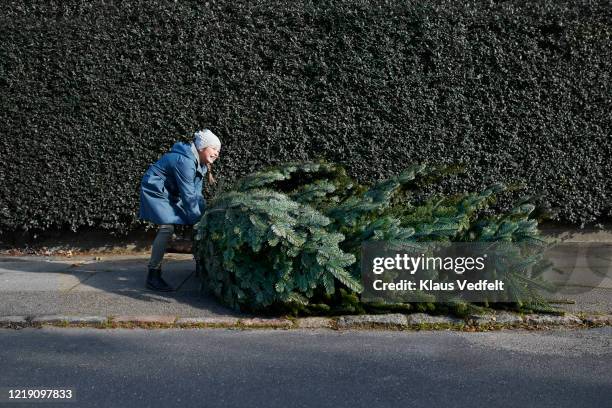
(184, 149)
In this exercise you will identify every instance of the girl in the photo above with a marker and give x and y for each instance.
(171, 193)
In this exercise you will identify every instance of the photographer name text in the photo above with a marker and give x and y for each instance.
(432, 286)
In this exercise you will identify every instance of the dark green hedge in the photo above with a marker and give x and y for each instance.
(92, 92)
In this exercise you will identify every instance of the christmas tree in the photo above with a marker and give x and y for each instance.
(291, 235)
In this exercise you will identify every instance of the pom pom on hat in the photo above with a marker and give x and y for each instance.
(204, 138)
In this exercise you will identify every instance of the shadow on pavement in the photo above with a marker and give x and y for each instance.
(101, 286)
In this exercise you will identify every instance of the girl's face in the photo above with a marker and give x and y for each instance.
(209, 155)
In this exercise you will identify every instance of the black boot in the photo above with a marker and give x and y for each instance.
(155, 281)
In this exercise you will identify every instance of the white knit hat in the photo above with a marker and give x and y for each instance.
(204, 138)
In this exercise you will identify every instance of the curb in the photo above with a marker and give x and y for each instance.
(394, 321)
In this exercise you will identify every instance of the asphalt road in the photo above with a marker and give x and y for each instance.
(300, 368)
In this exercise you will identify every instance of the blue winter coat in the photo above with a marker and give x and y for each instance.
(171, 189)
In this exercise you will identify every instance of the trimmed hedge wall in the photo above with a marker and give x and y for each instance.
(94, 91)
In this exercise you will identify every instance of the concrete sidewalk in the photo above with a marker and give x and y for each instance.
(114, 285)
(100, 286)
